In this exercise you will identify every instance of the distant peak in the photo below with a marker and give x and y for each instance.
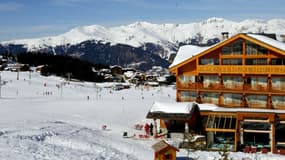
(215, 20)
(140, 23)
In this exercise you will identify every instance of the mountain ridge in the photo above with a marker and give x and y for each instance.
(139, 43)
(138, 33)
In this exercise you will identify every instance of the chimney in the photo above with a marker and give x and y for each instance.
(225, 35)
(282, 38)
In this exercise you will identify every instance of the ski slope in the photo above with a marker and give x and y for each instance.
(40, 120)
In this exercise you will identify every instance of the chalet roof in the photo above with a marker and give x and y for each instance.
(186, 52)
(184, 110)
(270, 41)
(161, 145)
(181, 110)
(189, 52)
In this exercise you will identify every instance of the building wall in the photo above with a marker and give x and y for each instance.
(239, 74)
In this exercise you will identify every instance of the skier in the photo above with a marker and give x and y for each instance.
(151, 129)
(146, 128)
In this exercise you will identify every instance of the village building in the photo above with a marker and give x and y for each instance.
(239, 86)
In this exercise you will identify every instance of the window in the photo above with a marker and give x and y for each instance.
(210, 81)
(278, 101)
(278, 61)
(208, 97)
(221, 131)
(221, 122)
(207, 61)
(184, 79)
(233, 49)
(228, 61)
(254, 49)
(232, 81)
(258, 61)
(256, 83)
(231, 98)
(259, 101)
(279, 134)
(188, 96)
(278, 83)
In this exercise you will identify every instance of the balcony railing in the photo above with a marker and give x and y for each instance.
(232, 104)
(229, 87)
(239, 69)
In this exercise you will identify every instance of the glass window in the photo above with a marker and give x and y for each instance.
(236, 61)
(256, 101)
(254, 49)
(212, 61)
(221, 122)
(279, 134)
(277, 61)
(226, 50)
(278, 101)
(256, 126)
(262, 61)
(210, 97)
(188, 96)
(234, 48)
(230, 98)
(259, 61)
(262, 50)
(251, 49)
(186, 79)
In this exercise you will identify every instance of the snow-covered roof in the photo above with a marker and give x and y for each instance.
(176, 107)
(185, 52)
(215, 108)
(267, 40)
(251, 110)
(186, 108)
(188, 51)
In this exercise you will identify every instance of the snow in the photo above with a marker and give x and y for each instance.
(167, 34)
(270, 41)
(186, 52)
(40, 121)
(185, 107)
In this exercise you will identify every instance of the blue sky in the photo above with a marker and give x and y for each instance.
(38, 18)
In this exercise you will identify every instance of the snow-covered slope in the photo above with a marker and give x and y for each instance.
(138, 33)
(66, 125)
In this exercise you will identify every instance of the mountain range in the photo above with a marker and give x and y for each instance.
(141, 44)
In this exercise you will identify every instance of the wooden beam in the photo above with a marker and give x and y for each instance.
(256, 120)
(220, 130)
(256, 131)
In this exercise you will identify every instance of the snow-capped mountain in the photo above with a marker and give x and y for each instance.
(164, 38)
(139, 33)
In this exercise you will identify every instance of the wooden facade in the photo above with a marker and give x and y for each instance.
(164, 151)
(241, 72)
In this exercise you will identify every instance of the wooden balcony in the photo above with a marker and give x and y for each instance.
(233, 105)
(242, 69)
(234, 88)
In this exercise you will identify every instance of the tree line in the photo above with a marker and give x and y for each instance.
(63, 66)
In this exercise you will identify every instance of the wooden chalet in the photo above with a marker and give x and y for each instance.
(176, 117)
(164, 151)
(245, 76)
